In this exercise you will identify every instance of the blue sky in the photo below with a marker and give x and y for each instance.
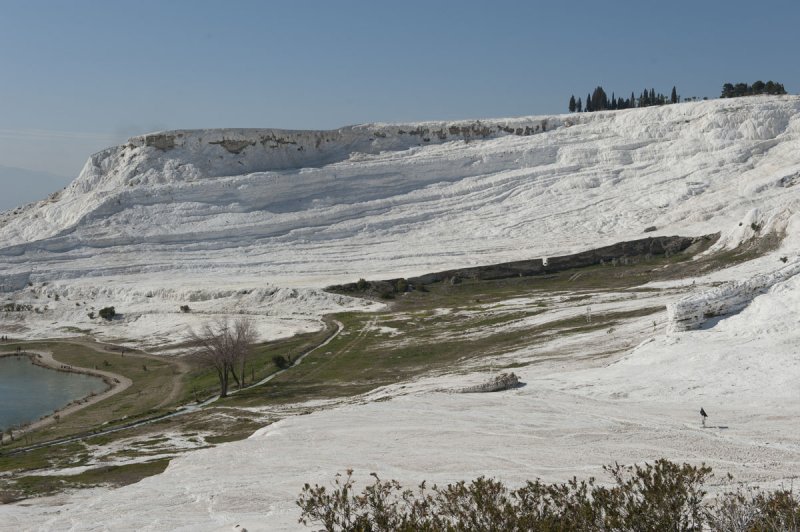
(78, 76)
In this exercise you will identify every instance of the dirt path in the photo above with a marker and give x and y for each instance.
(182, 366)
(183, 410)
(118, 383)
(358, 337)
(339, 329)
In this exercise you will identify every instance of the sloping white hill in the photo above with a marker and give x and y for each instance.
(569, 419)
(180, 217)
(210, 215)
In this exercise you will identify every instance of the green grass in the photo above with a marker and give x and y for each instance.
(357, 361)
(144, 397)
(25, 486)
(66, 455)
(201, 383)
(219, 425)
(363, 359)
(76, 330)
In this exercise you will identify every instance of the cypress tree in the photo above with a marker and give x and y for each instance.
(674, 96)
(589, 106)
(572, 104)
(579, 106)
(771, 87)
(632, 101)
(727, 91)
(599, 99)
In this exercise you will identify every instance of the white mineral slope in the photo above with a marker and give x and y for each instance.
(193, 213)
(569, 419)
(590, 179)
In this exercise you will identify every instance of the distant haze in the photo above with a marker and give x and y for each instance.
(19, 186)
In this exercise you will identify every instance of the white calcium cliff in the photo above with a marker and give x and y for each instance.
(181, 218)
(239, 210)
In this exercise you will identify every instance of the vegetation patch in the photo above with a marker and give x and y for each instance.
(264, 360)
(23, 487)
(76, 330)
(658, 496)
(107, 313)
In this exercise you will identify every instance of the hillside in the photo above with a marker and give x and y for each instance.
(247, 219)
(615, 357)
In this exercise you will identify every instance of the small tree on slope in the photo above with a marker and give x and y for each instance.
(223, 346)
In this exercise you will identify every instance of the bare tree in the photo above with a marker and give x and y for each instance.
(223, 346)
(244, 336)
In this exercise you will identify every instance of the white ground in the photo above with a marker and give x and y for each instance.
(687, 169)
(147, 230)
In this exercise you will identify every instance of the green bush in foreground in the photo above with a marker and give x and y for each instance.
(663, 496)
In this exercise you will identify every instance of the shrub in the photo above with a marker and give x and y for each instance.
(662, 496)
(91, 315)
(185, 308)
(401, 286)
(753, 509)
(659, 496)
(107, 313)
(281, 361)
(17, 307)
(362, 284)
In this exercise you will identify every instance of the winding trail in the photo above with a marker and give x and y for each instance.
(339, 329)
(186, 409)
(100, 347)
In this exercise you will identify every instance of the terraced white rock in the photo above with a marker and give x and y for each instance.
(189, 215)
(162, 222)
(691, 311)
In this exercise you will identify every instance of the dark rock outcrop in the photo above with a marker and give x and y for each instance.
(622, 252)
(503, 381)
